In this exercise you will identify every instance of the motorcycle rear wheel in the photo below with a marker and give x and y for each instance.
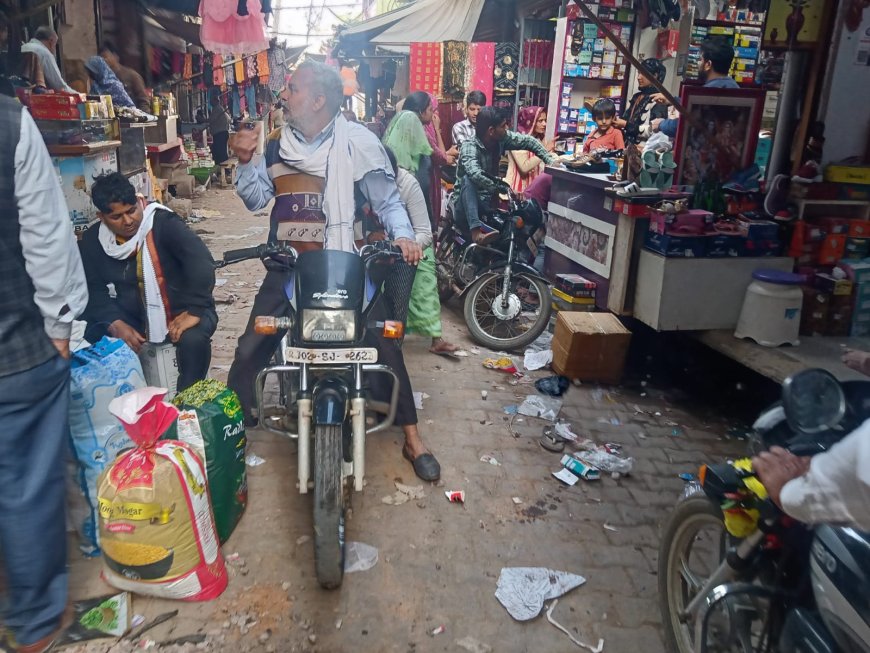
(444, 259)
(329, 506)
(490, 330)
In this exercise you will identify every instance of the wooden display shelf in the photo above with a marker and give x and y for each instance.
(81, 150)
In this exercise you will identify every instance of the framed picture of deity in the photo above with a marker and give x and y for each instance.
(718, 135)
(581, 238)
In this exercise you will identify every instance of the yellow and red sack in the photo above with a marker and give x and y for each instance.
(157, 528)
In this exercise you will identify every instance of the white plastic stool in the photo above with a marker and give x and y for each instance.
(771, 313)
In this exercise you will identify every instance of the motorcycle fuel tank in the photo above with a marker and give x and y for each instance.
(330, 279)
(840, 569)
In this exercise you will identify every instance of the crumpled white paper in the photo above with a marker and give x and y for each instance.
(540, 406)
(523, 590)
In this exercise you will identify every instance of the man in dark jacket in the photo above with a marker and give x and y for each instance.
(150, 278)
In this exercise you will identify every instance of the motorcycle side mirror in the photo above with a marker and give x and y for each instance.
(814, 401)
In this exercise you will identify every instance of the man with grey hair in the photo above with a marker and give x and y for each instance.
(42, 47)
(319, 168)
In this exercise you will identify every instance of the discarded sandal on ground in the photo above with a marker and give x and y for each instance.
(552, 441)
(426, 467)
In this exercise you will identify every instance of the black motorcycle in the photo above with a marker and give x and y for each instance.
(323, 366)
(736, 574)
(507, 302)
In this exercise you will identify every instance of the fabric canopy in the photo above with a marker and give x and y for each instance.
(422, 21)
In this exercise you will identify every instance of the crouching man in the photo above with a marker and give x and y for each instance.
(150, 278)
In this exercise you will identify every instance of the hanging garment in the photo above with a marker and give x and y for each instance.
(506, 68)
(277, 70)
(251, 68)
(455, 65)
(481, 61)
(225, 31)
(239, 71)
(426, 65)
(187, 72)
(263, 65)
(235, 102)
(251, 97)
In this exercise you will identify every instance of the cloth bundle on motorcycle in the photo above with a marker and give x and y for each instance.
(211, 422)
(98, 374)
(156, 523)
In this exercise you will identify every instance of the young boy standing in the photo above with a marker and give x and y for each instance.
(605, 136)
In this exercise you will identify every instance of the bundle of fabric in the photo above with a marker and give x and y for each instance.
(506, 69)
(456, 64)
(479, 71)
(426, 65)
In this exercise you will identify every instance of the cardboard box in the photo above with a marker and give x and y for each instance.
(674, 246)
(590, 346)
(832, 250)
(857, 270)
(160, 366)
(859, 228)
(827, 283)
(857, 247)
(814, 312)
(165, 131)
(725, 245)
(565, 297)
(575, 285)
(848, 174)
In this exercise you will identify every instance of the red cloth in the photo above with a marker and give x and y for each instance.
(425, 67)
(612, 140)
(481, 62)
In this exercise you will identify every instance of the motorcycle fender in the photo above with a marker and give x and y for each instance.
(330, 402)
(494, 270)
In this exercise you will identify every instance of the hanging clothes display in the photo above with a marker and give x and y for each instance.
(262, 66)
(426, 65)
(506, 68)
(219, 76)
(225, 31)
(230, 73)
(251, 97)
(455, 66)
(481, 60)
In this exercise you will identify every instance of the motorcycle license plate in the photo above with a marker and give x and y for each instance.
(331, 356)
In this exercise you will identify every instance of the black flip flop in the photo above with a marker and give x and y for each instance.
(425, 465)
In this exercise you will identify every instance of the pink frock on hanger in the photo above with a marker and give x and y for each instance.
(225, 32)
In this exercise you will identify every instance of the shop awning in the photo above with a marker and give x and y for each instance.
(424, 20)
(175, 23)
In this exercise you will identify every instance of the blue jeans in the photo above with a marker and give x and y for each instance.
(34, 412)
(467, 207)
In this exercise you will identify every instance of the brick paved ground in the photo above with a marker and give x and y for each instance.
(439, 562)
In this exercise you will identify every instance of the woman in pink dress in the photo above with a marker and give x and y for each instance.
(524, 166)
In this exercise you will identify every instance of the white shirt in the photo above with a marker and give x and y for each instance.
(415, 204)
(836, 489)
(463, 131)
(53, 78)
(51, 256)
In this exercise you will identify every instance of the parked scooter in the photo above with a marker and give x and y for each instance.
(323, 367)
(736, 574)
(507, 302)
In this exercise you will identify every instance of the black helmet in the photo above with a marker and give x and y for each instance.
(656, 68)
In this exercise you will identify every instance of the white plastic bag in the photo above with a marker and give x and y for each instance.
(540, 406)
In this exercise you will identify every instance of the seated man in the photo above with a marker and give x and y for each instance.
(477, 180)
(464, 129)
(149, 278)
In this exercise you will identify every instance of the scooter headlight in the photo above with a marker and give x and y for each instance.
(320, 325)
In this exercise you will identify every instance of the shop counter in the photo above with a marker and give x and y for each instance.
(591, 233)
(695, 294)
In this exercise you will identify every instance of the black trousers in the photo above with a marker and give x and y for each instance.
(192, 351)
(219, 147)
(254, 351)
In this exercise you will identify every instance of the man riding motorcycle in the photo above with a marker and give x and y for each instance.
(831, 487)
(319, 168)
(478, 163)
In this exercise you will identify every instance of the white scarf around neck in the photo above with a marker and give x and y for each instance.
(343, 159)
(155, 308)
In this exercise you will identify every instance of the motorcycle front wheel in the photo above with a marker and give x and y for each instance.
(328, 506)
(513, 324)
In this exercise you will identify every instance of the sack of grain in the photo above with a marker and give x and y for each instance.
(156, 523)
(211, 422)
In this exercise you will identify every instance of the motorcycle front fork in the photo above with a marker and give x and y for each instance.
(356, 468)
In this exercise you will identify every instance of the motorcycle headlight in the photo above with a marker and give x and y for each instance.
(328, 325)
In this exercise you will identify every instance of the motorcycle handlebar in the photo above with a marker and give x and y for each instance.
(260, 251)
